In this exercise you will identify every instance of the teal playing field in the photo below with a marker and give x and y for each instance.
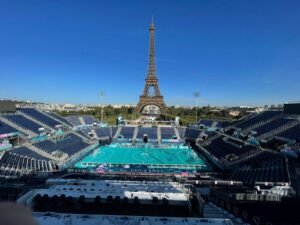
(174, 156)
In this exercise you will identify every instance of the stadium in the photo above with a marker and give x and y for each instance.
(80, 170)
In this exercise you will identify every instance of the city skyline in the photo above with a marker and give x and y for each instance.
(233, 53)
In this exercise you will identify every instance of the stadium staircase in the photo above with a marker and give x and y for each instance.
(135, 133)
(81, 120)
(279, 129)
(17, 127)
(36, 121)
(118, 132)
(261, 123)
(159, 135)
(214, 124)
(177, 133)
(95, 133)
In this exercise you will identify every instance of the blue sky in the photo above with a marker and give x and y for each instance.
(234, 52)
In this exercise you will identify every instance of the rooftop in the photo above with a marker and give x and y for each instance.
(80, 219)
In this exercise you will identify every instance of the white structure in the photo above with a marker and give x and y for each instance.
(79, 219)
(174, 192)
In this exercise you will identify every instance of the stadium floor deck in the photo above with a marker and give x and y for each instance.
(171, 157)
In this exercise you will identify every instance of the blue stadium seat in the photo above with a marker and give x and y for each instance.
(74, 120)
(60, 118)
(192, 133)
(88, 119)
(167, 132)
(259, 118)
(40, 117)
(272, 125)
(151, 132)
(71, 144)
(103, 132)
(5, 129)
(24, 122)
(127, 132)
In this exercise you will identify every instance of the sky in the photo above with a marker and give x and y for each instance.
(234, 52)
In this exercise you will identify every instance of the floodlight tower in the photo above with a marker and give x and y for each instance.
(101, 94)
(197, 95)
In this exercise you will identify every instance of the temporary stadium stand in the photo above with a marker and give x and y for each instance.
(73, 120)
(149, 131)
(205, 122)
(258, 118)
(229, 151)
(127, 132)
(272, 125)
(43, 118)
(60, 118)
(294, 170)
(70, 145)
(22, 160)
(265, 168)
(24, 122)
(103, 132)
(192, 133)
(293, 133)
(222, 124)
(88, 119)
(167, 132)
(5, 129)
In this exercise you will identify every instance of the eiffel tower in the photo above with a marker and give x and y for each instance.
(151, 95)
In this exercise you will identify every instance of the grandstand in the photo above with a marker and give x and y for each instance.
(24, 122)
(245, 154)
(149, 131)
(34, 114)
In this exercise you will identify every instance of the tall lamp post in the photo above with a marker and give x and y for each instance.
(197, 95)
(101, 94)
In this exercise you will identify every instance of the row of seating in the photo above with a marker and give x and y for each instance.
(127, 132)
(150, 131)
(272, 125)
(192, 133)
(256, 119)
(74, 120)
(103, 132)
(6, 129)
(24, 122)
(272, 170)
(292, 133)
(23, 160)
(70, 145)
(88, 119)
(40, 117)
(229, 151)
(206, 123)
(60, 118)
(167, 132)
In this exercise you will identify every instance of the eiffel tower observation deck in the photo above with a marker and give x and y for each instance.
(151, 101)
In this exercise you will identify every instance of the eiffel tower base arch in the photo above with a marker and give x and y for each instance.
(146, 101)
